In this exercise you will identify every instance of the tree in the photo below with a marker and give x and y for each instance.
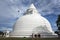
(58, 25)
(58, 22)
(1, 33)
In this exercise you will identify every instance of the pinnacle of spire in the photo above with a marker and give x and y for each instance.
(32, 6)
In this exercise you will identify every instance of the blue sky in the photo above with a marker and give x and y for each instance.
(9, 11)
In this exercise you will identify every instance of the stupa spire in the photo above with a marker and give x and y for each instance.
(32, 10)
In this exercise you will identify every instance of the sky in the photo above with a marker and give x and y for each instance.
(50, 9)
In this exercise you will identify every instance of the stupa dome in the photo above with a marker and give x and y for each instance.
(31, 23)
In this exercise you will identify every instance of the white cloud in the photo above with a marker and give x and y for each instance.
(5, 28)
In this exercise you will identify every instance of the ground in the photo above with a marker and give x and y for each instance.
(29, 39)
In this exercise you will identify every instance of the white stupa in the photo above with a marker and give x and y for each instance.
(32, 23)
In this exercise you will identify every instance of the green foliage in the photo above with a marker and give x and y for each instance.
(58, 22)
